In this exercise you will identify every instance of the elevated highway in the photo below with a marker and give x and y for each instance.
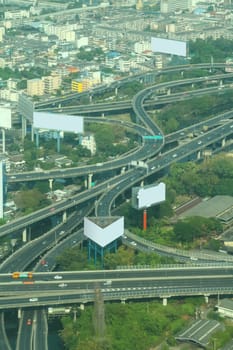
(164, 282)
(134, 290)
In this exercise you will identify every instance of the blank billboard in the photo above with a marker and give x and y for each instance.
(26, 107)
(57, 121)
(172, 47)
(144, 197)
(103, 236)
(5, 117)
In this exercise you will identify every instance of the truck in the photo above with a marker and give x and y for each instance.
(22, 275)
(15, 275)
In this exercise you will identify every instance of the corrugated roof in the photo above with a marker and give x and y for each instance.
(211, 207)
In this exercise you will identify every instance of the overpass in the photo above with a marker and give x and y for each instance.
(111, 293)
(125, 284)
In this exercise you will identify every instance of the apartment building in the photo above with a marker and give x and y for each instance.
(52, 83)
(35, 87)
(175, 5)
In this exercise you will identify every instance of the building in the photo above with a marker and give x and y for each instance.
(77, 86)
(225, 308)
(220, 207)
(51, 83)
(35, 87)
(88, 141)
(175, 5)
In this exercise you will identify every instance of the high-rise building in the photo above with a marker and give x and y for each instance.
(175, 5)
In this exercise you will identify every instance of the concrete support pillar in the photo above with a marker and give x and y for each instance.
(64, 216)
(123, 170)
(206, 299)
(58, 142)
(82, 306)
(116, 91)
(223, 142)
(220, 83)
(51, 185)
(32, 133)
(90, 98)
(37, 139)
(90, 180)
(85, 183)
(198, 154)
(19, 313)
(24, 235)
(122, 301)
(168, 91)
(24, 127)
(102, 115)
(164, 301)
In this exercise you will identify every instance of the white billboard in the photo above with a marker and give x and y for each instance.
(26, 107)
(103, 235)
(5, 117)
(58, 122)
(144, 197)
(168, 46)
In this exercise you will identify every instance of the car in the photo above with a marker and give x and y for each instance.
(108, 283)
(61, 233)
(33, 299)
(174, 155)
(133, 243)
(199, 142)
(62, 285)
(29, 322)
(57, 277)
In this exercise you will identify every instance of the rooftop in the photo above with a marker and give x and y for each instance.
(213, 207)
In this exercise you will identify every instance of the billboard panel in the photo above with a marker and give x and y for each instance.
(26, 107)
(144, 197)
(5, 118)
(168, 46)
(57, 121)
(103, 236)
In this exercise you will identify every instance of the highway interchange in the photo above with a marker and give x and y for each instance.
(124, 288)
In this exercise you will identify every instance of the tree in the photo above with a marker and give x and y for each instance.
(30, 200)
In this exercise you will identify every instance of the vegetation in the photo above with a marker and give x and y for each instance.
(187, 112)
(130, 326)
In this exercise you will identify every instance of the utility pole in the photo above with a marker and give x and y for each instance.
(99, 317)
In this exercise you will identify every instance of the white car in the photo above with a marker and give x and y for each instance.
(33, 299)
(62, 285)
(133, 243)
(58, 277)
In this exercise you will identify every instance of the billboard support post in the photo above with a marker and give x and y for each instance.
(3, 141)
(144, 219)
